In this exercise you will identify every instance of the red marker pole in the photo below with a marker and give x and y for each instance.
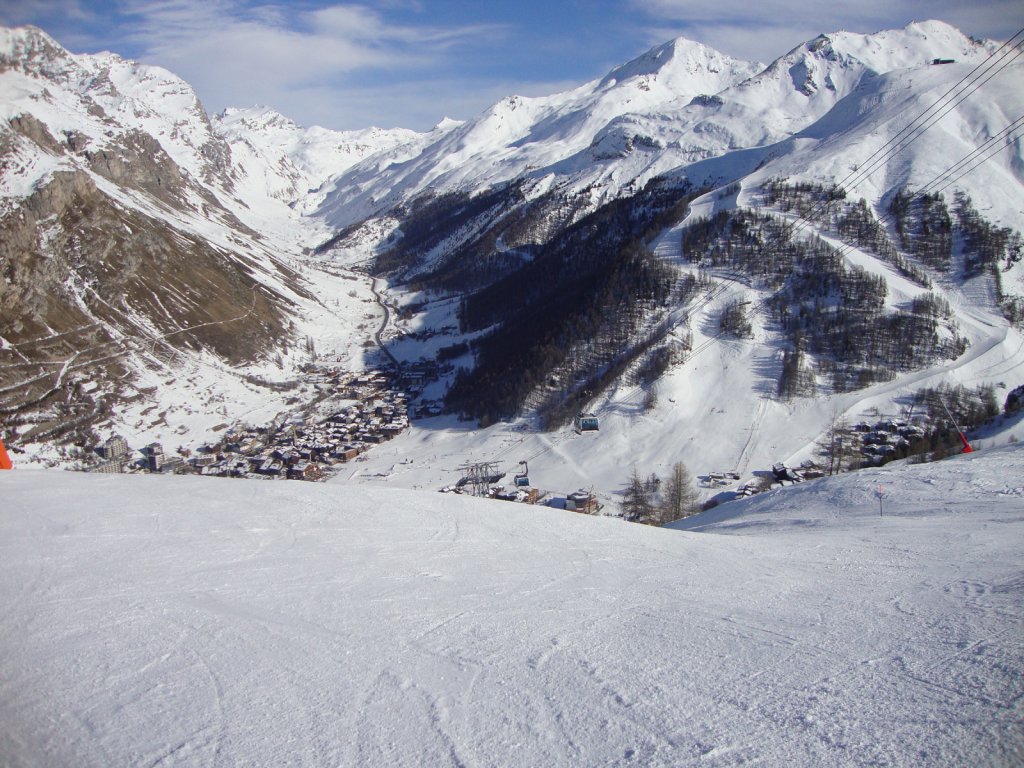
(963, 437)
(967, 445)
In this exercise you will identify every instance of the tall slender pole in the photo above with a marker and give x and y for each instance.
(963, 437)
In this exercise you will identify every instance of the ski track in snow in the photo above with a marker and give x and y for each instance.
(167, 621)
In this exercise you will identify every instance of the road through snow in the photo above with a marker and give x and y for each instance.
(187, 621)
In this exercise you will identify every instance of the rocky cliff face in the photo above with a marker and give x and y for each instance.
(91, 290)
(121, 249)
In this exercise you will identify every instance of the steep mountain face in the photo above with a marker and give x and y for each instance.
(100, 98)
(122, 241)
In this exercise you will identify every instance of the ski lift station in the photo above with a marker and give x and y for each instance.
(587, 422)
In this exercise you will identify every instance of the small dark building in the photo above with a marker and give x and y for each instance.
(154, 453)
(305, 470)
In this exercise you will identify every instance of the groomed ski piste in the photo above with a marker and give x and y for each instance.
(874, 618)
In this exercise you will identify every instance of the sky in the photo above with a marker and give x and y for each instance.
(410, 63)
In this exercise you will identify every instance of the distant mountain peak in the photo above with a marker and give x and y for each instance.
(257, 117)
(914, 44)
(681, 59)
(25, 40)
(29, 49)
(448, 123)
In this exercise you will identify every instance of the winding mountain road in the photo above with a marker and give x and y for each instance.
(378, 335)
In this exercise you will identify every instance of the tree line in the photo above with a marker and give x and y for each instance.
(832, 315)
(574, 317)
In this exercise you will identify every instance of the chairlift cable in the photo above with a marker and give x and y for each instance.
(980, 161)
(885, 151)
(875, 161)
(925, 188)
(977, 158)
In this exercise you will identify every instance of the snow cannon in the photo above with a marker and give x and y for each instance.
(963, 437)
(967, 445)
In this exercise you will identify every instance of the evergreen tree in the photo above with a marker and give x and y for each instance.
(734, 322)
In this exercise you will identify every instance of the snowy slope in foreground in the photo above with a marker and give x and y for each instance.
(152, 620)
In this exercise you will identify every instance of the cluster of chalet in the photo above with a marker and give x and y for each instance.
(293, 447)
(296, 449)
(875, 443)
(879, 441)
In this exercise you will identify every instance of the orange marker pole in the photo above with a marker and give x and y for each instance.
(5, 460)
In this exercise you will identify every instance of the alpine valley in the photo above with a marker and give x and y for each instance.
(693, 265)
(716, 258)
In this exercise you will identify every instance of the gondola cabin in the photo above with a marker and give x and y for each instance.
(522, 479)
(587, 422)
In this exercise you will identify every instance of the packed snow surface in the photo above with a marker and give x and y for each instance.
(187, 621)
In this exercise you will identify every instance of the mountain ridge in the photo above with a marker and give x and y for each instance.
(301, 213)
(607, 119)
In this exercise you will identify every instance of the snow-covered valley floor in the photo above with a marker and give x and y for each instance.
(184, 621)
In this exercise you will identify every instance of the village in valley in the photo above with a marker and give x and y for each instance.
(352, 413)
(365, 409)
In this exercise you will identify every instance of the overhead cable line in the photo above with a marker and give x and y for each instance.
(953, 97)
(967, 164)
(998, 61)
(970, 156)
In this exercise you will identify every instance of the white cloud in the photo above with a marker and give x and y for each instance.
(769, 28)
(236, 54)
(745, 13)
(24, 11)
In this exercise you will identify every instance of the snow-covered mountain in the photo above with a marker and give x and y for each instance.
(97, 97)
(520, 136)
(283, 160)
(565, 313)
(676, 105)
(555, 225)
(193, 621)
(142, 273)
